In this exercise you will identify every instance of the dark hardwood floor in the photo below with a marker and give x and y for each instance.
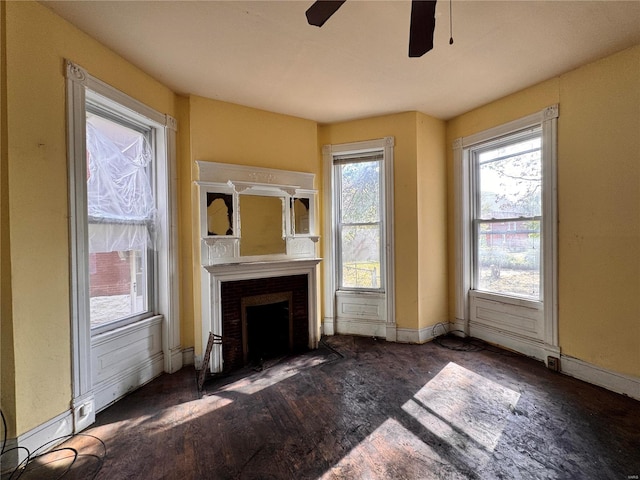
(361, 408)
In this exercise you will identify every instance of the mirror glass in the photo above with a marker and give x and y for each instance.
(219, 214)
(261, 219)
(300, 214)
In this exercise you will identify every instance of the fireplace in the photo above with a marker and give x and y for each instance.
(265, 317)
(231, 291)
(258, 248)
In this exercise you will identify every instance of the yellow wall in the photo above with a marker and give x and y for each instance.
(7, 365)
(599, 209)
(432, 222)
(186, 195)
(419, 161)
(37, 41)
(598, 203)
(228, 133)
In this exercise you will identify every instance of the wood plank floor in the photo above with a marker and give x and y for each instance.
(360, 408)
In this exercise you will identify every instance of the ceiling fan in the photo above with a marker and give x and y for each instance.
(421, 29)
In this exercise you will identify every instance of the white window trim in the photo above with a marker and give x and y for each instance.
(547, 118)
(328, 151)
(78, 81)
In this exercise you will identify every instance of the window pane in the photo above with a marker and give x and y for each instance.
(508, 258)
(360, 247)
(510, 181)
(360, 200)
(117, 285)
(121, 211)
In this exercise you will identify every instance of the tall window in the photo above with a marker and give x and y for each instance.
(122, 243)
(507, 215)
(120, 211)
(506, 240)
(359, 226)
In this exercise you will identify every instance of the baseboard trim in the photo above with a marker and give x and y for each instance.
(616, 382)
(328, 326)
(84, 411)
(459, 327)
(188, 356)
(412, 335)
(392, 332)
(44, 435)
(197, 361)
(530, 347)
(176, 360)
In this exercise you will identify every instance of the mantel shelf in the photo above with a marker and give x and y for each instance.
(270, 267)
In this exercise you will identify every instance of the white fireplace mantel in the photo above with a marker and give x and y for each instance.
(214, 275)
(221, 259)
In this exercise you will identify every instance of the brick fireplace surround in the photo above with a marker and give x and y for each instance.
(224, 286)
(232, 316)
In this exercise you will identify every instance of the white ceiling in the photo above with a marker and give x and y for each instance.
(264, 54)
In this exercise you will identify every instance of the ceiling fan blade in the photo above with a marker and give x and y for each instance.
(423, 24)
(321, 11)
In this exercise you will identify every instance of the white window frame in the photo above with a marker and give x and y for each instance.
(80, 86)
(385, 144)
(547, 119)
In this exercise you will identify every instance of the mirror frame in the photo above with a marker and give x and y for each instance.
(238, 180)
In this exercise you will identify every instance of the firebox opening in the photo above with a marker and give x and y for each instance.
(267, 328)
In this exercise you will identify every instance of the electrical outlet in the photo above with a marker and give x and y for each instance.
(553, 363)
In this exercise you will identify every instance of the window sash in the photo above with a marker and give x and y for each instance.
(377, 283)
(116, 113)
(505, 256)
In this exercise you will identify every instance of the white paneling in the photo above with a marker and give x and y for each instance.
(301, 247)
(521, 320)
(359, 310)
(361, 314)
(361, 306)
(126, 358)
(367, 328)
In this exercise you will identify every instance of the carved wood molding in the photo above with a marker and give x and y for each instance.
(171, 122)
(550, 112)
(75, 72)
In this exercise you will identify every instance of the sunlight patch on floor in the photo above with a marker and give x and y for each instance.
(406, 456)
(165, 419)
(271, 376)
(462, 407)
